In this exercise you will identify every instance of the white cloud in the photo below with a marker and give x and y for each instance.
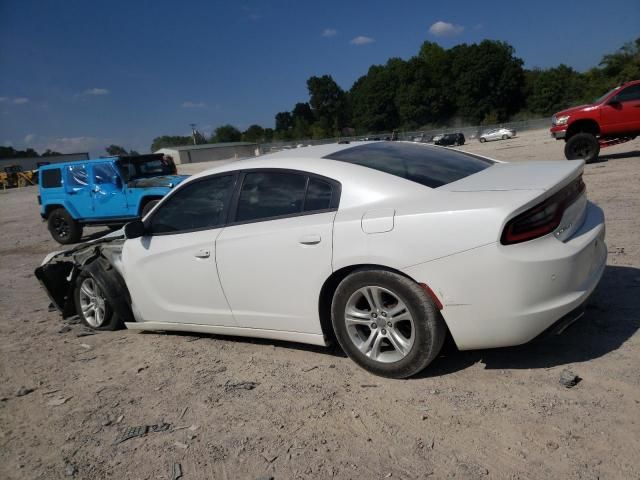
(362, 40)
(96, 91)
(194, 105)
(73, 144)
(445, 29)
(329, 32)
(29, 138)
(15, 100)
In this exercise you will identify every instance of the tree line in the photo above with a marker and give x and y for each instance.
(483, 83)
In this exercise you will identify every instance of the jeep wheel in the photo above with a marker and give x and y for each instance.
(582, 146)
(63, 228)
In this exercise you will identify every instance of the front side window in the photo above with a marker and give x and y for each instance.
(77, 177)
(104, 173)
(198, 205)
(629, 94)
(270, 194)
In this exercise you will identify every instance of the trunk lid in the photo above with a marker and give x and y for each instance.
(545, 176)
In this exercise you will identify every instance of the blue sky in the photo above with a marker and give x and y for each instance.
(79, 75)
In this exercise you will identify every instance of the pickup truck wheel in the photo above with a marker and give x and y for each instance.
(63, 228)
(582, 146)
(92, 305)
(148, 206)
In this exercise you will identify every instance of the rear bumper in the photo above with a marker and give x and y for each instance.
(499, 296)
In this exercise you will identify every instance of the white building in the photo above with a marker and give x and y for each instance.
(210, 152)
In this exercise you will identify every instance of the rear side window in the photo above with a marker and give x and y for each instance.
(51, 178)
(429, 166)
(319, 195)
(197, 206)
(270, 194)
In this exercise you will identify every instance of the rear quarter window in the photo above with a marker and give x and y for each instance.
(51, 178)
(429, 166)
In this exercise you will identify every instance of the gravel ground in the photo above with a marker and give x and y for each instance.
(307, 412)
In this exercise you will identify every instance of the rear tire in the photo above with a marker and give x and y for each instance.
(482, 140)
(386, 323)
(504, 137)
(63, 228)
(583, 146)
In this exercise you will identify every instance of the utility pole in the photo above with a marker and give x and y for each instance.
(194, 133)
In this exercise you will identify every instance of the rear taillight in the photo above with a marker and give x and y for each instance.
(543, 218)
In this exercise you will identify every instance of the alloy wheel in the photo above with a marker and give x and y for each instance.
(379, 324)
(92, 303)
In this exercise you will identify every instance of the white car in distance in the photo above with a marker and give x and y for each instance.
(497, 134)
(385, 246)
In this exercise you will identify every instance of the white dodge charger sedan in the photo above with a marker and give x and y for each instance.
(385, 246)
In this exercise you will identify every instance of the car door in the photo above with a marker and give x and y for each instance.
(171, 271)
(78, 189)
(108, 192)
(276, 254)
(622, 113)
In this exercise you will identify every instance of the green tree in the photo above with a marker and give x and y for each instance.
(255, 133)
(50, 153)
(487, 79)
(226, 133)
(553, 89)
(115, 150)
(328, 104)
(166, 141)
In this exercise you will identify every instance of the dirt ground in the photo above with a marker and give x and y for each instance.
(311, 412)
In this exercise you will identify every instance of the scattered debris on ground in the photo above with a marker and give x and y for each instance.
(228, 387)
(22, 391)
(133, 432)
(569, 379)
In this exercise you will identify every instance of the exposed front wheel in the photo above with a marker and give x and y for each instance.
(63, 228)
(504, 137)
(583, 146)
(386, 323)
(482, 140)
(92, 305)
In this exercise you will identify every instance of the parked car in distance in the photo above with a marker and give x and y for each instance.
(386, 246)
(612, 119)
(497, 134)
(449, 139)
(106, 191)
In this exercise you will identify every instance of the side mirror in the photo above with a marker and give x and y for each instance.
(135, 229)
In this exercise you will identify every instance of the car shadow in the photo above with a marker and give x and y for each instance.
(616, 156)
(611, 318)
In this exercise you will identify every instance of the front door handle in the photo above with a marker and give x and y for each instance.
(204, 253)
(312, 239)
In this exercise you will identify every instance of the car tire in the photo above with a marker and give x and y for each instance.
(482, 140)
(63, 228)
(92, 305)
(407, 341)
(583, 146)
(504, 137)
(148, 207)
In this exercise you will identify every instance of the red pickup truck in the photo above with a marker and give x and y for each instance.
(611, 119)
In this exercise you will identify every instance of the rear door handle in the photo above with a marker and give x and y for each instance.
(204, 253)
(312, 239)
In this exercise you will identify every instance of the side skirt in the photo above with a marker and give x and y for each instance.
(310, 338)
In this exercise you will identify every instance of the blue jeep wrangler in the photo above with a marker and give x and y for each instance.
(107, 191)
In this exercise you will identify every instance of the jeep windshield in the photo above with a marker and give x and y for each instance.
(146, 166)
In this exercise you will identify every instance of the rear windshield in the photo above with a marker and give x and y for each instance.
(429, 166)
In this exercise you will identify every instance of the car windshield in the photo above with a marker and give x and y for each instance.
(133, 168)
(429, 166)
(600, 99)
